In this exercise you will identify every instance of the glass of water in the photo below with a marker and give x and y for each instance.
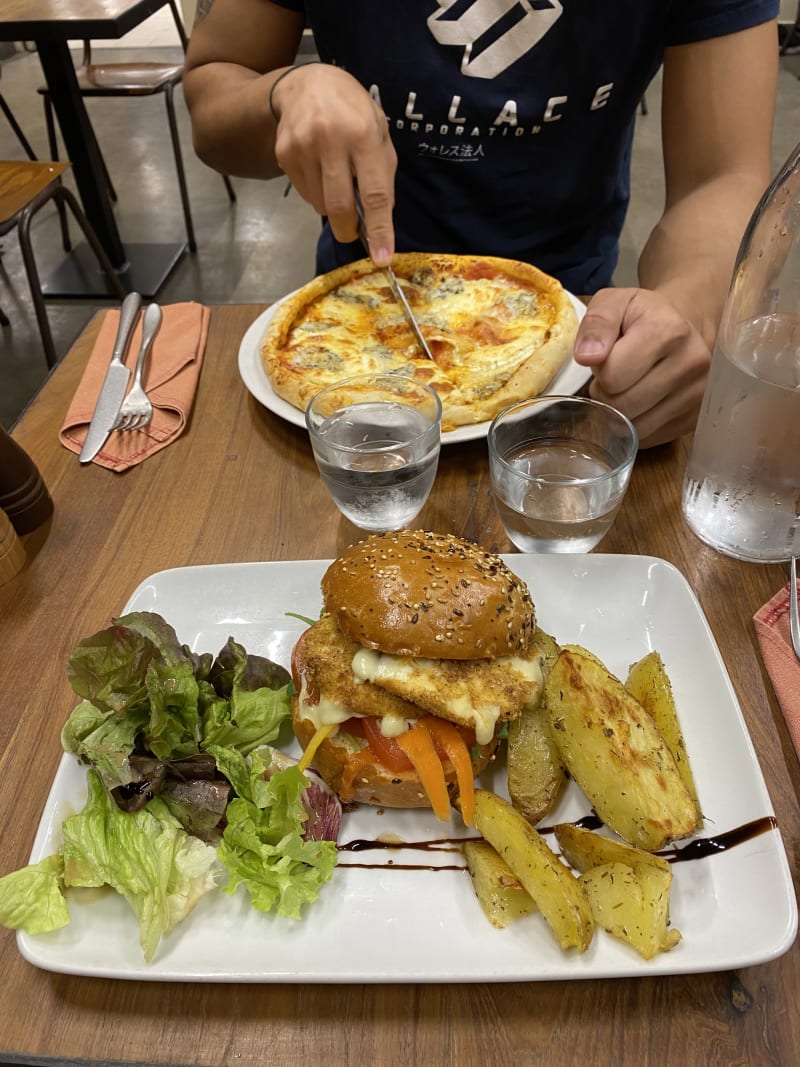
(560, 466)
(376, 440)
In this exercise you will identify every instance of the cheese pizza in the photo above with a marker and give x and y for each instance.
(498, 331)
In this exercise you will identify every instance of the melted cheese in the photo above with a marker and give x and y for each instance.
(328, 712)
(426, 678)
(324, 712)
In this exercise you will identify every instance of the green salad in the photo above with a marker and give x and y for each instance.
(186, 792)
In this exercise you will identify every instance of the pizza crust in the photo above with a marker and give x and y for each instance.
(486, 355)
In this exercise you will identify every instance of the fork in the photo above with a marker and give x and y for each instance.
(137, 411)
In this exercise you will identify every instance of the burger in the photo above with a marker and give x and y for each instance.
(423, 654)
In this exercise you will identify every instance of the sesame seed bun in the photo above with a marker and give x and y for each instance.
(430, 595)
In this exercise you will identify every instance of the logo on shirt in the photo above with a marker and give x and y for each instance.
(493, 33)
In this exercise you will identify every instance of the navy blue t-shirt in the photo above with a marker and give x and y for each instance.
(513, 119)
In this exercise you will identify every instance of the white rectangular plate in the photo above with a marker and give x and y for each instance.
(381, 923)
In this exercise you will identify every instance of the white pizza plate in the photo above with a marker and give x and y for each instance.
(568, 380)
(381, 923)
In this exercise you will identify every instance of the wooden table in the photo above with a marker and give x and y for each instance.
(52, 24)
(242, 485)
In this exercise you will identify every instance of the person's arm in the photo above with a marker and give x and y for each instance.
(650, 348)
(328, 131)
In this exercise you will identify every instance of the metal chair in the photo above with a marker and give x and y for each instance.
(134, 78)
(25, 188)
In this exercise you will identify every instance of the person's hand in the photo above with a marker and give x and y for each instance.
(647, 359)
(330, 132)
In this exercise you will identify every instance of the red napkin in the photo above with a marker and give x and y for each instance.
(783, 667)
(170, 379)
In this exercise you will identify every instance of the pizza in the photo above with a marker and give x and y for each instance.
(498, 331)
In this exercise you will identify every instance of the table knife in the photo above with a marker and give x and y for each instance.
(116, 382)
(394, 285)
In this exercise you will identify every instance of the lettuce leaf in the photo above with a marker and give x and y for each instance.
(262, 846)
(146, 856)
(32, 898)
(173, 729)
(104, 740)
(256, 705)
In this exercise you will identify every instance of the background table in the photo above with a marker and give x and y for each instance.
(52, 24)
(242, 485)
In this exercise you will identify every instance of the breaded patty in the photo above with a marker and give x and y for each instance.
(328, 658)
(477, 693)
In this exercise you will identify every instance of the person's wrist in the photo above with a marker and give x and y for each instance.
(274, 104)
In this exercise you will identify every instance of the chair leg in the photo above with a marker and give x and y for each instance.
(61, 192)
(23, 228)
(229, 188)
(52, 144)
(58, 191)
(176, 148)
(15, 126)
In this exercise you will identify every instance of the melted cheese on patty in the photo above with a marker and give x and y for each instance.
(477, 693)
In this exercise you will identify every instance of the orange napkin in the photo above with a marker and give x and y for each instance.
(783, 667)
(170, 379)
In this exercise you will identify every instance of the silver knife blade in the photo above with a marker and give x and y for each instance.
(411, 318)
(394, 285)
(116, 382)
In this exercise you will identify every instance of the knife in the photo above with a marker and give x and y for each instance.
(116, 382)
(394, 285)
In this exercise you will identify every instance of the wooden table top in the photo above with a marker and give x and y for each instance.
(241, 485)
(60, 20)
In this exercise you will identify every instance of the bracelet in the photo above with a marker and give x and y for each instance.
(279, 79)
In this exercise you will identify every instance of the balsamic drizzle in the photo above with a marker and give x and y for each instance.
(698, 849)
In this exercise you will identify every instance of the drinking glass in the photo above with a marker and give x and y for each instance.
(376, 440)
(559, 468)
(741, 494)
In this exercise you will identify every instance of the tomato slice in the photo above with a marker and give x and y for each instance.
(385, 749)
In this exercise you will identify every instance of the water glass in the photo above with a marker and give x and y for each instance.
(376, 440)
(559, 467)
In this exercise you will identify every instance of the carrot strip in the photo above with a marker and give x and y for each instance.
(417, 744)
(448, 738)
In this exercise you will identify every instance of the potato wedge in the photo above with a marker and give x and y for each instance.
(499, 891)
(555, 889)
(584, 849)
(648, 682)
(632, 906)
(536, 775)
(612, 749)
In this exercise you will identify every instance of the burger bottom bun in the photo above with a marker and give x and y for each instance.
(373, 783)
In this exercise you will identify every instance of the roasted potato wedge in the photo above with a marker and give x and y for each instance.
(613, 750)
(648, 682)
(499, 891)
(536, 776)
(555, 889)
(632, 905)
(584, 849)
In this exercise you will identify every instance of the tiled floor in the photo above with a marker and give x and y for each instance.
(253, 251)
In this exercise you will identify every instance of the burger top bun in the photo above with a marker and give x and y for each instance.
(430, 595)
